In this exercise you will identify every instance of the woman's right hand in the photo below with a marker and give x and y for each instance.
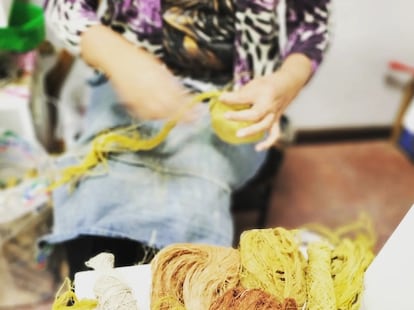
(148, 90)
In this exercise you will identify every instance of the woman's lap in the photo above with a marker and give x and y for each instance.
(178, 192)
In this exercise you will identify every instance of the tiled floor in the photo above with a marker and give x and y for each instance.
(332, 183)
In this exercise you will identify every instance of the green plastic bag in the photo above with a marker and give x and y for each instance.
(26, 28)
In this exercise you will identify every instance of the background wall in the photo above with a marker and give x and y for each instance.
(351, 88)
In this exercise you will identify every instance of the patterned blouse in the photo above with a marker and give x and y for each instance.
(215, 40)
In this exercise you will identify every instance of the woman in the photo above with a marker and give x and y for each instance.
(153, 54)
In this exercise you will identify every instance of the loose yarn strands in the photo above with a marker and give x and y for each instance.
(188, 276)
(128, 139)
(320, 287)
(125, 139)
(66, 299)
(271, 261)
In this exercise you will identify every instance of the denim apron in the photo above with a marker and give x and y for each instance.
(177, 192)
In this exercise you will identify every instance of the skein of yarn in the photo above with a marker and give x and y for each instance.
(246, 299)
(111, 292)
(320, 287)
(189, 276)
(271, 261)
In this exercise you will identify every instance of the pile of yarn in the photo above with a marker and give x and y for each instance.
(272, 269)
(269, 270)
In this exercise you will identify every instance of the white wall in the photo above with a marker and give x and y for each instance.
(5, 7)
(350, 89)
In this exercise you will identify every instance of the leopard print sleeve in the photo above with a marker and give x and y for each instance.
(67, 19)
(307, 26)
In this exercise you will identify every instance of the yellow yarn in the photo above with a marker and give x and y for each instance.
(226, 129)
(351, 255)
(66, 299)
(320, 287)
(128, 139)
(271, 261)
(189, 276)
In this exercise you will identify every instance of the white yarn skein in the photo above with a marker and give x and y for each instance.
(111, 292)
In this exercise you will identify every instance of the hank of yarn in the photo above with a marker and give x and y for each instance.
(350, 260)
(352, 253)
(320, 287)
(188, 276)
(271, 261)
(246, 299)
(111, 292)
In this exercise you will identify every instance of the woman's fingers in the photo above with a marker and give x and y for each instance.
(258, 127)
(271, 139)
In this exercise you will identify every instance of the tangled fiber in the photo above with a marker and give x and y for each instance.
(66, 299)
(269, 266)
(269, 270)
(188, 276)
(352, 252)
(246, 299)
(128, 139)
(271, 261)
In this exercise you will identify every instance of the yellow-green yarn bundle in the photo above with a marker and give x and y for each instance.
(320, 288)
(271, 261)
(226, 129)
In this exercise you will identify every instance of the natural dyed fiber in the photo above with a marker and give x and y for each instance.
(226, 129)
(271, 261)
(66, 299)
(246, 299)
(111, 292)
(188, 276)
(289, 304)
(351, 255)
(128, 139)
(320, 287)
(350, 260)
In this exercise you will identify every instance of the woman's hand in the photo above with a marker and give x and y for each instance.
(269, 96)
(147, 89)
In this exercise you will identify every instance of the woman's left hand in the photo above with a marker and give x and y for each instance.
(268, 97)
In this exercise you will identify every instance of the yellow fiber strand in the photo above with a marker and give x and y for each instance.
(127, 139)
(320, 287)
(188, 276)
(271, 261)
(66, 299)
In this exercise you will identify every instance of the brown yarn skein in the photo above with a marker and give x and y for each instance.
(246, 299)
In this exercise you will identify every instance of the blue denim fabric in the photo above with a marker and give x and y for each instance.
(178, 192)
